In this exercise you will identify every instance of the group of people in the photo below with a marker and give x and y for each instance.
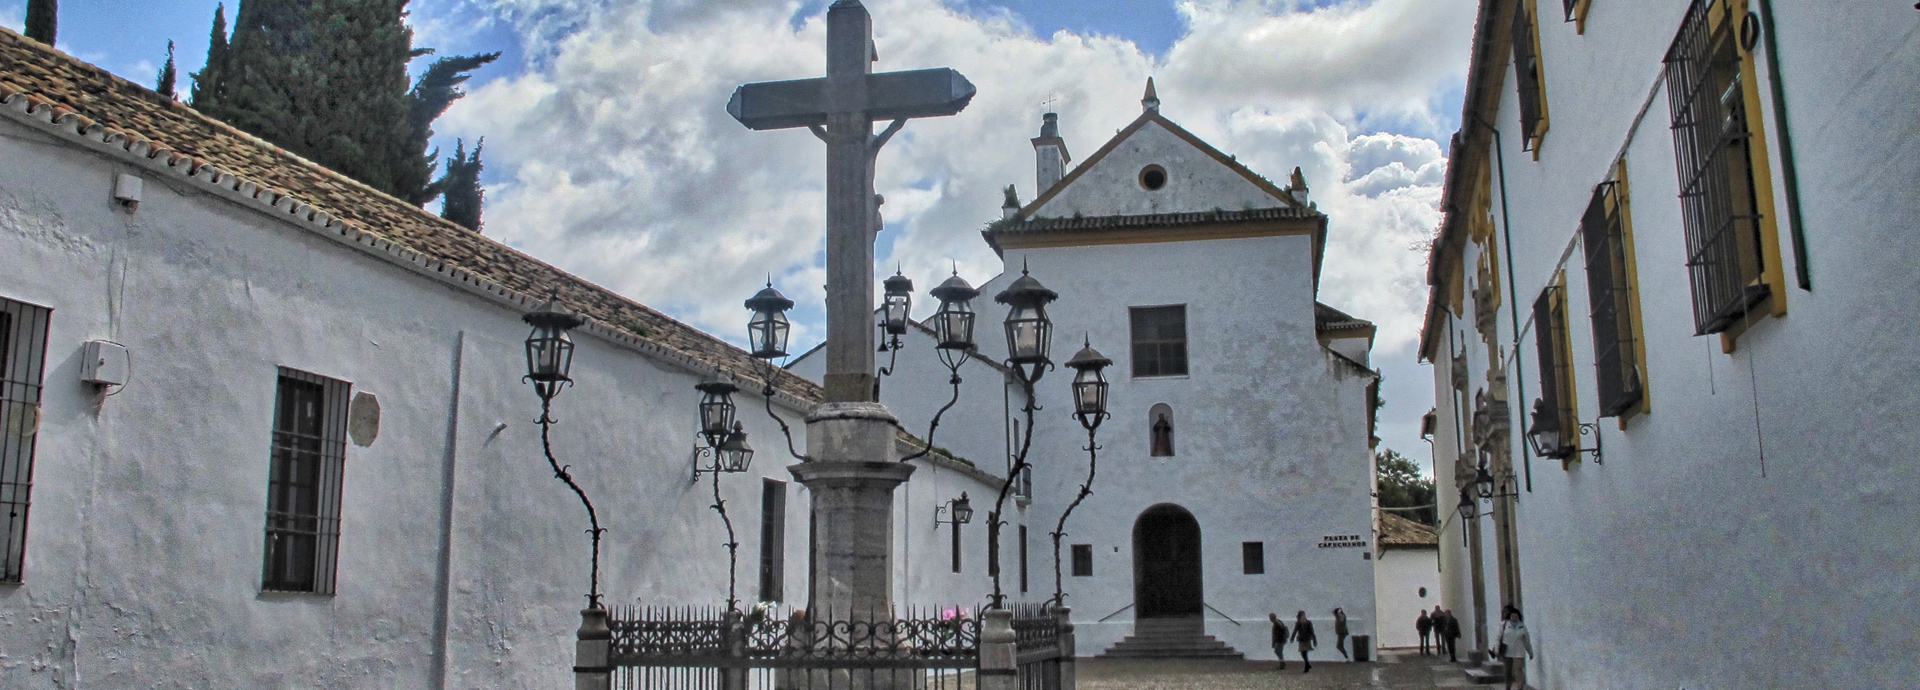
(1303, 637)
(1442, 628)
(1516, 645)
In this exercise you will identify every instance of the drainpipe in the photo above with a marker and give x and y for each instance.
(1513, 299)
(1788, 172)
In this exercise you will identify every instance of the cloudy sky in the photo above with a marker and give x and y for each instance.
(610, 154)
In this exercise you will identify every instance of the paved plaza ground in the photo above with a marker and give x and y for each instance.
(1198, 674)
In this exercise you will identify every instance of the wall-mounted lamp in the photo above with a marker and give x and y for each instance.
(959, 511)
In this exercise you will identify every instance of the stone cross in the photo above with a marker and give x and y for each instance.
(840, 108)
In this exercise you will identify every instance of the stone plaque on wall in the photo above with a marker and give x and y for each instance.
(363, 419)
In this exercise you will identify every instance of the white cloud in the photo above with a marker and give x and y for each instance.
(615, 158)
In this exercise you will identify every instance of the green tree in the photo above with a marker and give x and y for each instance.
(461, 186)
(435, 91)
(167, 75)
(1401, 486)
(210, 83)
(43, 20)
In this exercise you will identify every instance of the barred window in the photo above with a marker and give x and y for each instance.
(1082, 560)
(1159, 341)
(1556, 370)
(1527, 76)
(1611, 298)
(1712, 146)
(773, 539)
(23, 348)
(1577, 13)
(303, 483)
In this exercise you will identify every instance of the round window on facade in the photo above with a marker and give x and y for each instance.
(1153, 177)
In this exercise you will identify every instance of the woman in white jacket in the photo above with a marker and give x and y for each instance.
(1515, 647)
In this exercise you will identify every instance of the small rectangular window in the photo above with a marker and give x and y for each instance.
(303, 483)
(1611, 301)
(1528, 77)
(1082, 560)
(23, 347)
(773, 539)
(956, 546)
(1556, 369)
(1253, 557)
(1159, 340)
(1023, 558)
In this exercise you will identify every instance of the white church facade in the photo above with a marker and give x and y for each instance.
(1235, 475)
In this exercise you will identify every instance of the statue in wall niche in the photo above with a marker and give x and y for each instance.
(1162, 437)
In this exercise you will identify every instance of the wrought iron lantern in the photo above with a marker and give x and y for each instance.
(1492, 485)
(1468, 508)
(716, 411)
(734, 455)
(1029, 331)
(953, 324)
(959, 511)
(768, 329)
(896, 304)
(549, 348)
(1549, 440)
(1089, 385)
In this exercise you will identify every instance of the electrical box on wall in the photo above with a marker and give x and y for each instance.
(104, 363)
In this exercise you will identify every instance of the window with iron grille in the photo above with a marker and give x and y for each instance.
(773, 539)
(1253, 557)
(1527, 76)
(1159, 341)
(1712, 149)
(303, 483)
(23, 348)
(1082, 560)
(1611, 297)
(1577, 13)
(1556, 370)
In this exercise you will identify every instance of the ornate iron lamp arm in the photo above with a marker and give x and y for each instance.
(935, 424)
(999, 504)
(1060, 528)
(766, 393)
(732, 544)
(546, 445)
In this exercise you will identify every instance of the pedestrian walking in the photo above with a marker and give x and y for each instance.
(1514, 642)
(1452, 636)
(1303, 635)
(1340, 632)
(1279, 639)
(1424, 625)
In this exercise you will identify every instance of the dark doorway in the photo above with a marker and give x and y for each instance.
(1166, 563)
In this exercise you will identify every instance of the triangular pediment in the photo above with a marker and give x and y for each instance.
(1153, 166)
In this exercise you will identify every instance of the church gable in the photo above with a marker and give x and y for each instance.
(1155, 167)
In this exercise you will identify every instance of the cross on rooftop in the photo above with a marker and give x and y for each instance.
(840, 108)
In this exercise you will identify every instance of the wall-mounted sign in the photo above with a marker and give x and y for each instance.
(1342, 541)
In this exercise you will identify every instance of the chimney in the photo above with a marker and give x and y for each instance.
(1050, 154)
(1297, 187)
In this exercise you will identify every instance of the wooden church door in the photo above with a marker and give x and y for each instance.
(1166, 563)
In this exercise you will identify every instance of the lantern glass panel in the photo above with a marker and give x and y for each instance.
(716, 417)
(954, 325)
(963, 510)
(894, 317)
(1089, 392)
(735, 455)
(1028, 333)
(769, 333)
(549, 354)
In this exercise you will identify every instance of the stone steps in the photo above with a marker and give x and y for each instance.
(1159, 638)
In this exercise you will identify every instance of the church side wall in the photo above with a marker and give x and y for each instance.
(143, 555)
(1406, 582)
(1734, 503)
(1270, 435)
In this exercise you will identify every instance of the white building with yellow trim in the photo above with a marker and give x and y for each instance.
(1680, 234)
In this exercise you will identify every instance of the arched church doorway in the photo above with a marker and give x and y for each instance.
(1166, 563)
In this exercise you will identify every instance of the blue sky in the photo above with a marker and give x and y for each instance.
(608, 153)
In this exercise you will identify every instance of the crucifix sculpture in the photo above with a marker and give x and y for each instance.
(851, 467)
(841, 108)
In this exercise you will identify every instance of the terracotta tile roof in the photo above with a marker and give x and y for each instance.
(39, 82)
(1327, 318)
(1399, 532)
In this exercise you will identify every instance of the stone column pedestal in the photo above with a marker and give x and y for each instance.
(1063, 616)
(999, 653)
(851, 476)
(590, 655)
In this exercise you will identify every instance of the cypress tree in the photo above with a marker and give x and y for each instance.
(43, 20)
(167, 75)
(436, 89)
(266, 69)
(210, 83)
(463, 195)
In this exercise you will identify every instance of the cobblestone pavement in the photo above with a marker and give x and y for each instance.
(1198, 674)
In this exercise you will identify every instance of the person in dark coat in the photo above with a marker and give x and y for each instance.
(1340, 632)
(1279, 638)
(1452, 635)
(1424, 625)
(1303, 634)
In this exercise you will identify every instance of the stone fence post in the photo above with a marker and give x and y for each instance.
(590, 668)
(1063, 617)
(999, 654)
